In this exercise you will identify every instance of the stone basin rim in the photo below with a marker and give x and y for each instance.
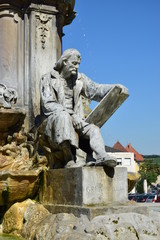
(30, 173)
(12, 110)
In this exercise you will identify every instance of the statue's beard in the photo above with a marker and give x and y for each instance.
(71, 76)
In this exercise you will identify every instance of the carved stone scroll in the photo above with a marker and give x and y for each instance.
(7, 96)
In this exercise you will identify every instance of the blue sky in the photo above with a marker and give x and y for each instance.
(119, 41)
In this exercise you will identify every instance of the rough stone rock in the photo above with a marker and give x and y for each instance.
(20, 168)
(62, 226)
(20, 154)
(33, 222)
(126, 226)
(13, 218)
(33, 216)
(17, 186)
(11, 120)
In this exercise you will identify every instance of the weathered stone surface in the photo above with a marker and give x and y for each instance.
(12, 49)
(11, 120)
(64, 226)
(20, 155)
(21, 145)
(20, 168)
(88, 186)
(94, 211)
(13, 218)
(32, 221)
(33, 216)
(7, 96)
(126, 226)
(66, 8)
(33, 29)
(18, 186)
(36, 223)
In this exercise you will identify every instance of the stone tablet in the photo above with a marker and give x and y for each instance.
(106, 107)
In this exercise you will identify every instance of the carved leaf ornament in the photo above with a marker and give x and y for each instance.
(42, 20)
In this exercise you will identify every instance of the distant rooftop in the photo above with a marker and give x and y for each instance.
(110, 149)
(138, 157)
(119, 147)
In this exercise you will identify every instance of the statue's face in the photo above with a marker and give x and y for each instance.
(71, 66)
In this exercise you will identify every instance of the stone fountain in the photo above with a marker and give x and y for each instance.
(36, 29)
(32, 165)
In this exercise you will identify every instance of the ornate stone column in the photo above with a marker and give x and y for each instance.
(30, 44)
(12, 49)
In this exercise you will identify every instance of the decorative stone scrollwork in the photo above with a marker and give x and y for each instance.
(7, 96)
(14, 15)
(11, 11)
(41, 24)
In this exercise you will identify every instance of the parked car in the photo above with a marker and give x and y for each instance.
(152, 198)
(142, 198)
(133, 197)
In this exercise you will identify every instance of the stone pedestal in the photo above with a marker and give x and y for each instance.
(81, 189)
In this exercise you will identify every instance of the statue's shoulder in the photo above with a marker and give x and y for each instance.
(54, 75)
(46, 76)
(82, 77)
(50, 76)
(85, 79)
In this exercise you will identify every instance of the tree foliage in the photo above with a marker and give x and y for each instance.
(152, 156)
(139, 186)
(150, 170)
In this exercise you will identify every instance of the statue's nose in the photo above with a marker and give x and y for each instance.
(76, 66)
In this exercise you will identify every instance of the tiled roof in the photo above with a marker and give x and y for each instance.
(110, 149)
(119, 147)
(138, 157)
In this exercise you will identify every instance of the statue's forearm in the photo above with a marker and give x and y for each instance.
(103, 89)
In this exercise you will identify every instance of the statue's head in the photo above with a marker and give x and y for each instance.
(68, 63)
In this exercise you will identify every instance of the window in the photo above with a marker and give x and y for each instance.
(127, 162)
(119, 161)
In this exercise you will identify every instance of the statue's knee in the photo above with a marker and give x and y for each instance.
(64, 116)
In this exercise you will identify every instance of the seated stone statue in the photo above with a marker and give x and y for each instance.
(61, 101)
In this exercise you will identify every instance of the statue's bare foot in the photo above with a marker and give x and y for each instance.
(107, 161)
